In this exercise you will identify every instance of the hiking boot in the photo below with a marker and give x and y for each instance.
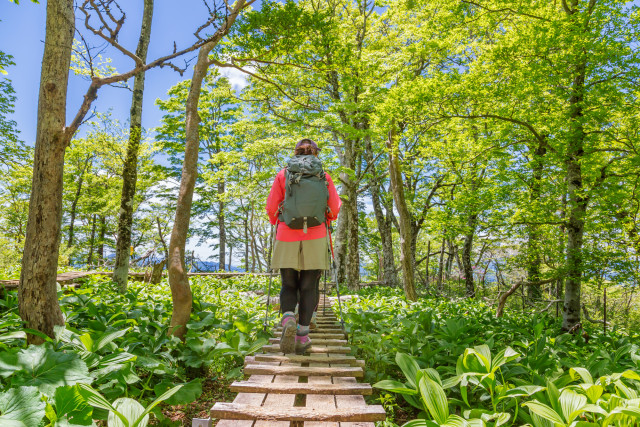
(314, 323)
(287, 338)
(303, 342)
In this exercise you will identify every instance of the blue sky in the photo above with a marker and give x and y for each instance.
(22, 33)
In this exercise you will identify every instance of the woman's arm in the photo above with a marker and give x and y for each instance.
(276, 197)
(334, 201)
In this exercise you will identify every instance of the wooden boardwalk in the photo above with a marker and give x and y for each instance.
(318, 389)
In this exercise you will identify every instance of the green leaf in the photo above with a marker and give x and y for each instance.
(48, 370)
(153, 404)
(131, 410)
(188, 393)
(71, 407)
(420, 423)
(525, 390)
(434, 399)
(409, 366)
(582, 373)
(21, 407)
(395, 387)
(544, 411)
(571, 404)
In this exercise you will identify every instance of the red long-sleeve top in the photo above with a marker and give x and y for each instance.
(286, 234)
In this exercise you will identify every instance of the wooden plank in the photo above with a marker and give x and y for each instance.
(275, 348)
(349, 371)
(320, 402)
(279, 400)
(235, 411)
(321, 334)
(312, 358)
(319, 341)
(301, 388)
(248, 399)
(350, 402)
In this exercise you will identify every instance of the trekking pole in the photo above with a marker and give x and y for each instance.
(266, 313)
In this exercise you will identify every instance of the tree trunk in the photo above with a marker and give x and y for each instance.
(74, 204)
(577, 203)
(91, 241)
(246, 245)
(406, 231)
(103, 232)
(230, 256)
(340, 244)
(534, 238)
(353, 252)
(466, 256)
(178, 280)
(37, 295)
(441, 266)
(222, 234)
(130, 169)
(389, 274)
(426, 266)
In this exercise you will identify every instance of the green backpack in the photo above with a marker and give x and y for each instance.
(306, 193)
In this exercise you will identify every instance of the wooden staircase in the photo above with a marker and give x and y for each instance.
(318, 389)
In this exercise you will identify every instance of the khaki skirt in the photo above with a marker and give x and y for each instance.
(303, 255)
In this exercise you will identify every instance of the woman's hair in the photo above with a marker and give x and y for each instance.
(306, 146)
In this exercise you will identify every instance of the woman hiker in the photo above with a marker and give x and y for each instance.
(302, 202)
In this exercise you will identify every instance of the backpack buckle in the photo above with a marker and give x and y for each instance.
(304, 226)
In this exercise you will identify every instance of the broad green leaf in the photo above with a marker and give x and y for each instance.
(571, 404)
(153, 404)
(409, 367)
(582, 373)
(21, 407)
(71, 407)
(395, 387)
(107, 338)
(544, 411)
(525, 390)
(505, 356)
(47, 369)
(131, 410)
(190, 392)
(435, 399)
(420, 423)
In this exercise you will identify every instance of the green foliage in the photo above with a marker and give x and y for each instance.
(113, 356)
(457, 359)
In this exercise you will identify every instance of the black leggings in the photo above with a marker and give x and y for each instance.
(303, 283)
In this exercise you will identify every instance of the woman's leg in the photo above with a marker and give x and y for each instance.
(287, 305)
(308, 295)
(289, 290)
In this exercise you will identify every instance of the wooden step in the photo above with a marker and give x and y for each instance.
(315, 341)
(315, 358)
(234, 411)
(319, 330)
(301, 388)
(275, 348)
(340, 371)
(321, 334)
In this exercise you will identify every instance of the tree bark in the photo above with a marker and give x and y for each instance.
(534, 238)
(340, 244)
(441, 265)
(222, 234)
(406, 231)
(178, 280)
(130, 169)
(92, 241)
(577, 203)
(389, 274)
(74, 204)
(37, 295)
(103, 232)
(466, 256)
